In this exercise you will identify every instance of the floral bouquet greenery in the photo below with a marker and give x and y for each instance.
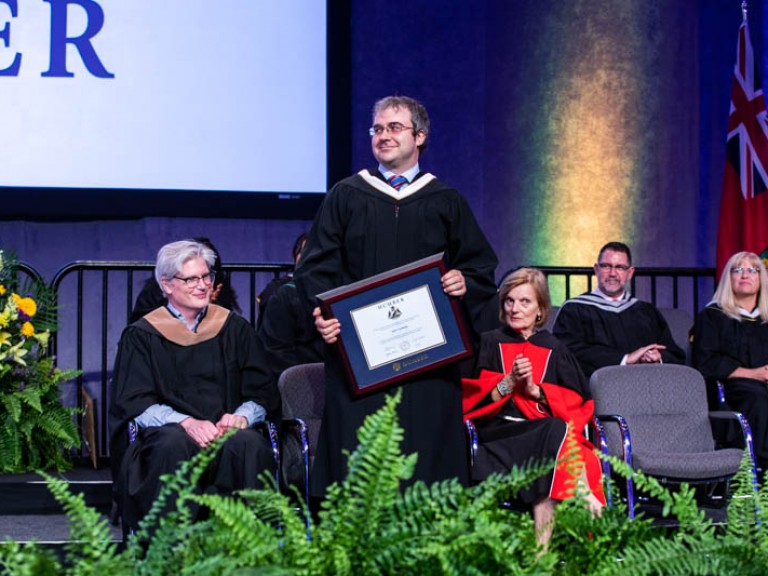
(36, 430)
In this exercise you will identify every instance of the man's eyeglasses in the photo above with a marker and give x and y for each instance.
(605, 267)
(392, 128)
(193, 281)
(741, 270)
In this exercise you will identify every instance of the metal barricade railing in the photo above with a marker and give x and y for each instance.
(29, 273)
(685, 288)
(95, 300)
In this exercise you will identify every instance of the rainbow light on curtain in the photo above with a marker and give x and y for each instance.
(594, 128)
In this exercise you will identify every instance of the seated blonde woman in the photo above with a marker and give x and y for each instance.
(530, 394)
(730, 343)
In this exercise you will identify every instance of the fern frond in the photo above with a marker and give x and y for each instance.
(12, 405)
(10, 445)
(90, 549)
(448, 529)
(353, 508)
(681, 503)
(247, 537)
(28, 559)
(169, 521)
(683, 556)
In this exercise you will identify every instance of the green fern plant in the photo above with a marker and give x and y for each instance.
(370, 525)
(695, 546)
(36, 430)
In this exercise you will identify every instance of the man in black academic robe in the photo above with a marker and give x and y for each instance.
(186, 373)
(287, 332)
(372, 222)
(608, 326)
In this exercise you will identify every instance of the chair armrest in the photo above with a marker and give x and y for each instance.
(626, 445)
(721, 393)
(133, 431)
(269, 430)
(296, 456)
(298, 427)
(729, 429)
(474, 441)
(626, 438)
(746, 436)
(744, 430)
(723, 415)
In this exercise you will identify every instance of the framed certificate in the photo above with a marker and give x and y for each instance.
(397, 324)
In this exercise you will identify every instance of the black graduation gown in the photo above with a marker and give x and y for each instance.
(722, 344)
(600, 334)
(361, 231)
(265, 297)
(212, 374)
(287, 332)
(508, 436)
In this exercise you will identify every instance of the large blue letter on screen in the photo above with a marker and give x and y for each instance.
(59, 38)
(5, 35)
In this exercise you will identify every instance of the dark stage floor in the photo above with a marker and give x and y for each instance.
(29, 512)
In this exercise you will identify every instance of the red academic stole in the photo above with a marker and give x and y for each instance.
(564, 403)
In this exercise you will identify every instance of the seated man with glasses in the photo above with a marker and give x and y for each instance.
(186, 373)
(608, 326)
(223, 294)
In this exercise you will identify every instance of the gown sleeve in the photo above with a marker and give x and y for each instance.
(258, 383)
(710, 354)
(672, 354)
(570, 329)
(321, 263)
(470, 252)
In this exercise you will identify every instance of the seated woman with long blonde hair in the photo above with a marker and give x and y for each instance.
(730, 343)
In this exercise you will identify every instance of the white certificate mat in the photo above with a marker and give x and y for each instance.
(399, 326)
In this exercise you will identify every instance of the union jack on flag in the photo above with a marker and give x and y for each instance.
(744, 204)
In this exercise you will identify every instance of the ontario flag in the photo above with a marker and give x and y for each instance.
(744, 203)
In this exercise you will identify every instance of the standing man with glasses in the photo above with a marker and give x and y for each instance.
(608, 326)
(186, 373)
(369, 223)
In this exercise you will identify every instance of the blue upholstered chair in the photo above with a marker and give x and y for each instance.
(661, 424)
(302, 389)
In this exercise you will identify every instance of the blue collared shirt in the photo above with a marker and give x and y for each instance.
(409, 174)
(180, 316)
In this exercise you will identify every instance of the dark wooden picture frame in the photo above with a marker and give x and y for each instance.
(383, 295)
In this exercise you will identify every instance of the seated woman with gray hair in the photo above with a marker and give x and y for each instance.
(529, 396)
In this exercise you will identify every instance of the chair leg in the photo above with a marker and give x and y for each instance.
(750, 446)
(299, 430)
(602, 443)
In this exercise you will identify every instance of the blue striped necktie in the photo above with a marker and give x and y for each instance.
(397, 181)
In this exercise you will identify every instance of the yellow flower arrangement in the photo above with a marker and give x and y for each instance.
(27, 329)
(26, 305)
(37, 430)
(19, 335)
